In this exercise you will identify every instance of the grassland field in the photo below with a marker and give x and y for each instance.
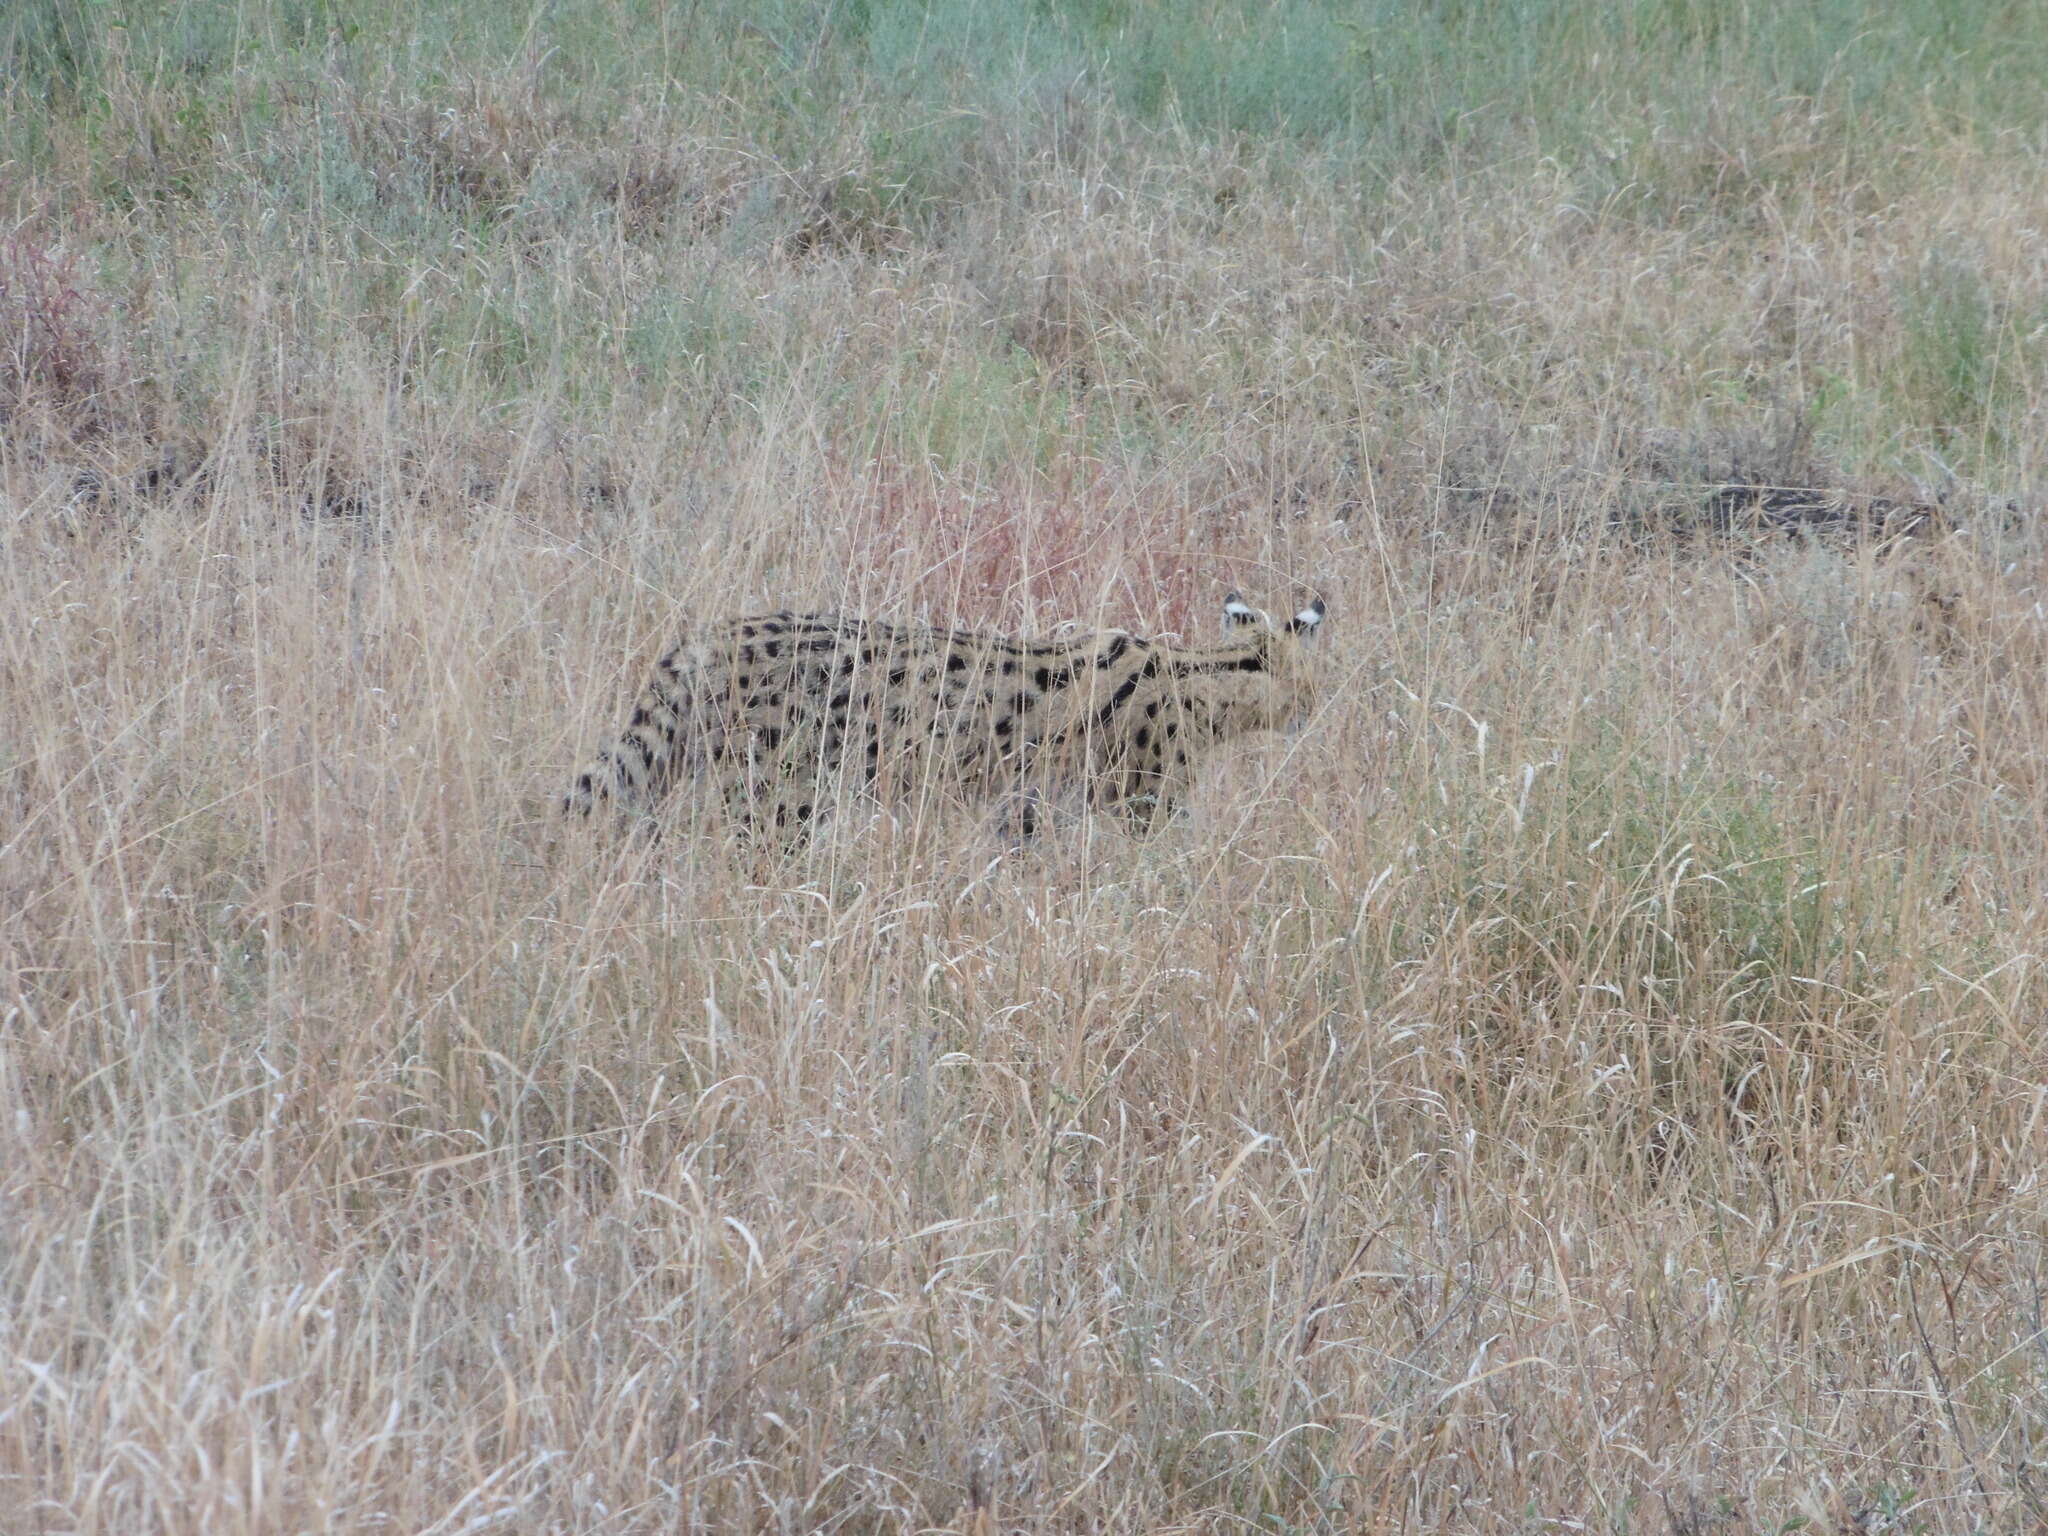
(1589, 1079)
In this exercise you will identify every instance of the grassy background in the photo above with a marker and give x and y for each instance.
(1587, 1080)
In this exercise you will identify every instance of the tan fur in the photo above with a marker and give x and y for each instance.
(783, 709)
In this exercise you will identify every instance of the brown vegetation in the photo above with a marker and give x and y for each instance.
(1587, 1079)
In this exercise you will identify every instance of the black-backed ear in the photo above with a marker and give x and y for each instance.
(1237, 611)
(1305, 621)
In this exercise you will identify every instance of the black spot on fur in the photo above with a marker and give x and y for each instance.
(1210, 667)
(956, 663)
(1143, 738)
(896, 675)
(1049, 678)
(1117, 700)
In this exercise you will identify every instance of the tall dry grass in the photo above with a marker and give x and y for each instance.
(1587, 1079)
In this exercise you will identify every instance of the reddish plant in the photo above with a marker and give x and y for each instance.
(53, 353)
(1018, 556)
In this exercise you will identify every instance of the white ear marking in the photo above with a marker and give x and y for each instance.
(1237, 611)
(1308, 618)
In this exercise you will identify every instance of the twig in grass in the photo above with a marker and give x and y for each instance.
(1948, 1406)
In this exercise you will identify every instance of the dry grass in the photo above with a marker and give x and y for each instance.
(1588, 1079)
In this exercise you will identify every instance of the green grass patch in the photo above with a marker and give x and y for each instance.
(1966, 360)
(1688, 896)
